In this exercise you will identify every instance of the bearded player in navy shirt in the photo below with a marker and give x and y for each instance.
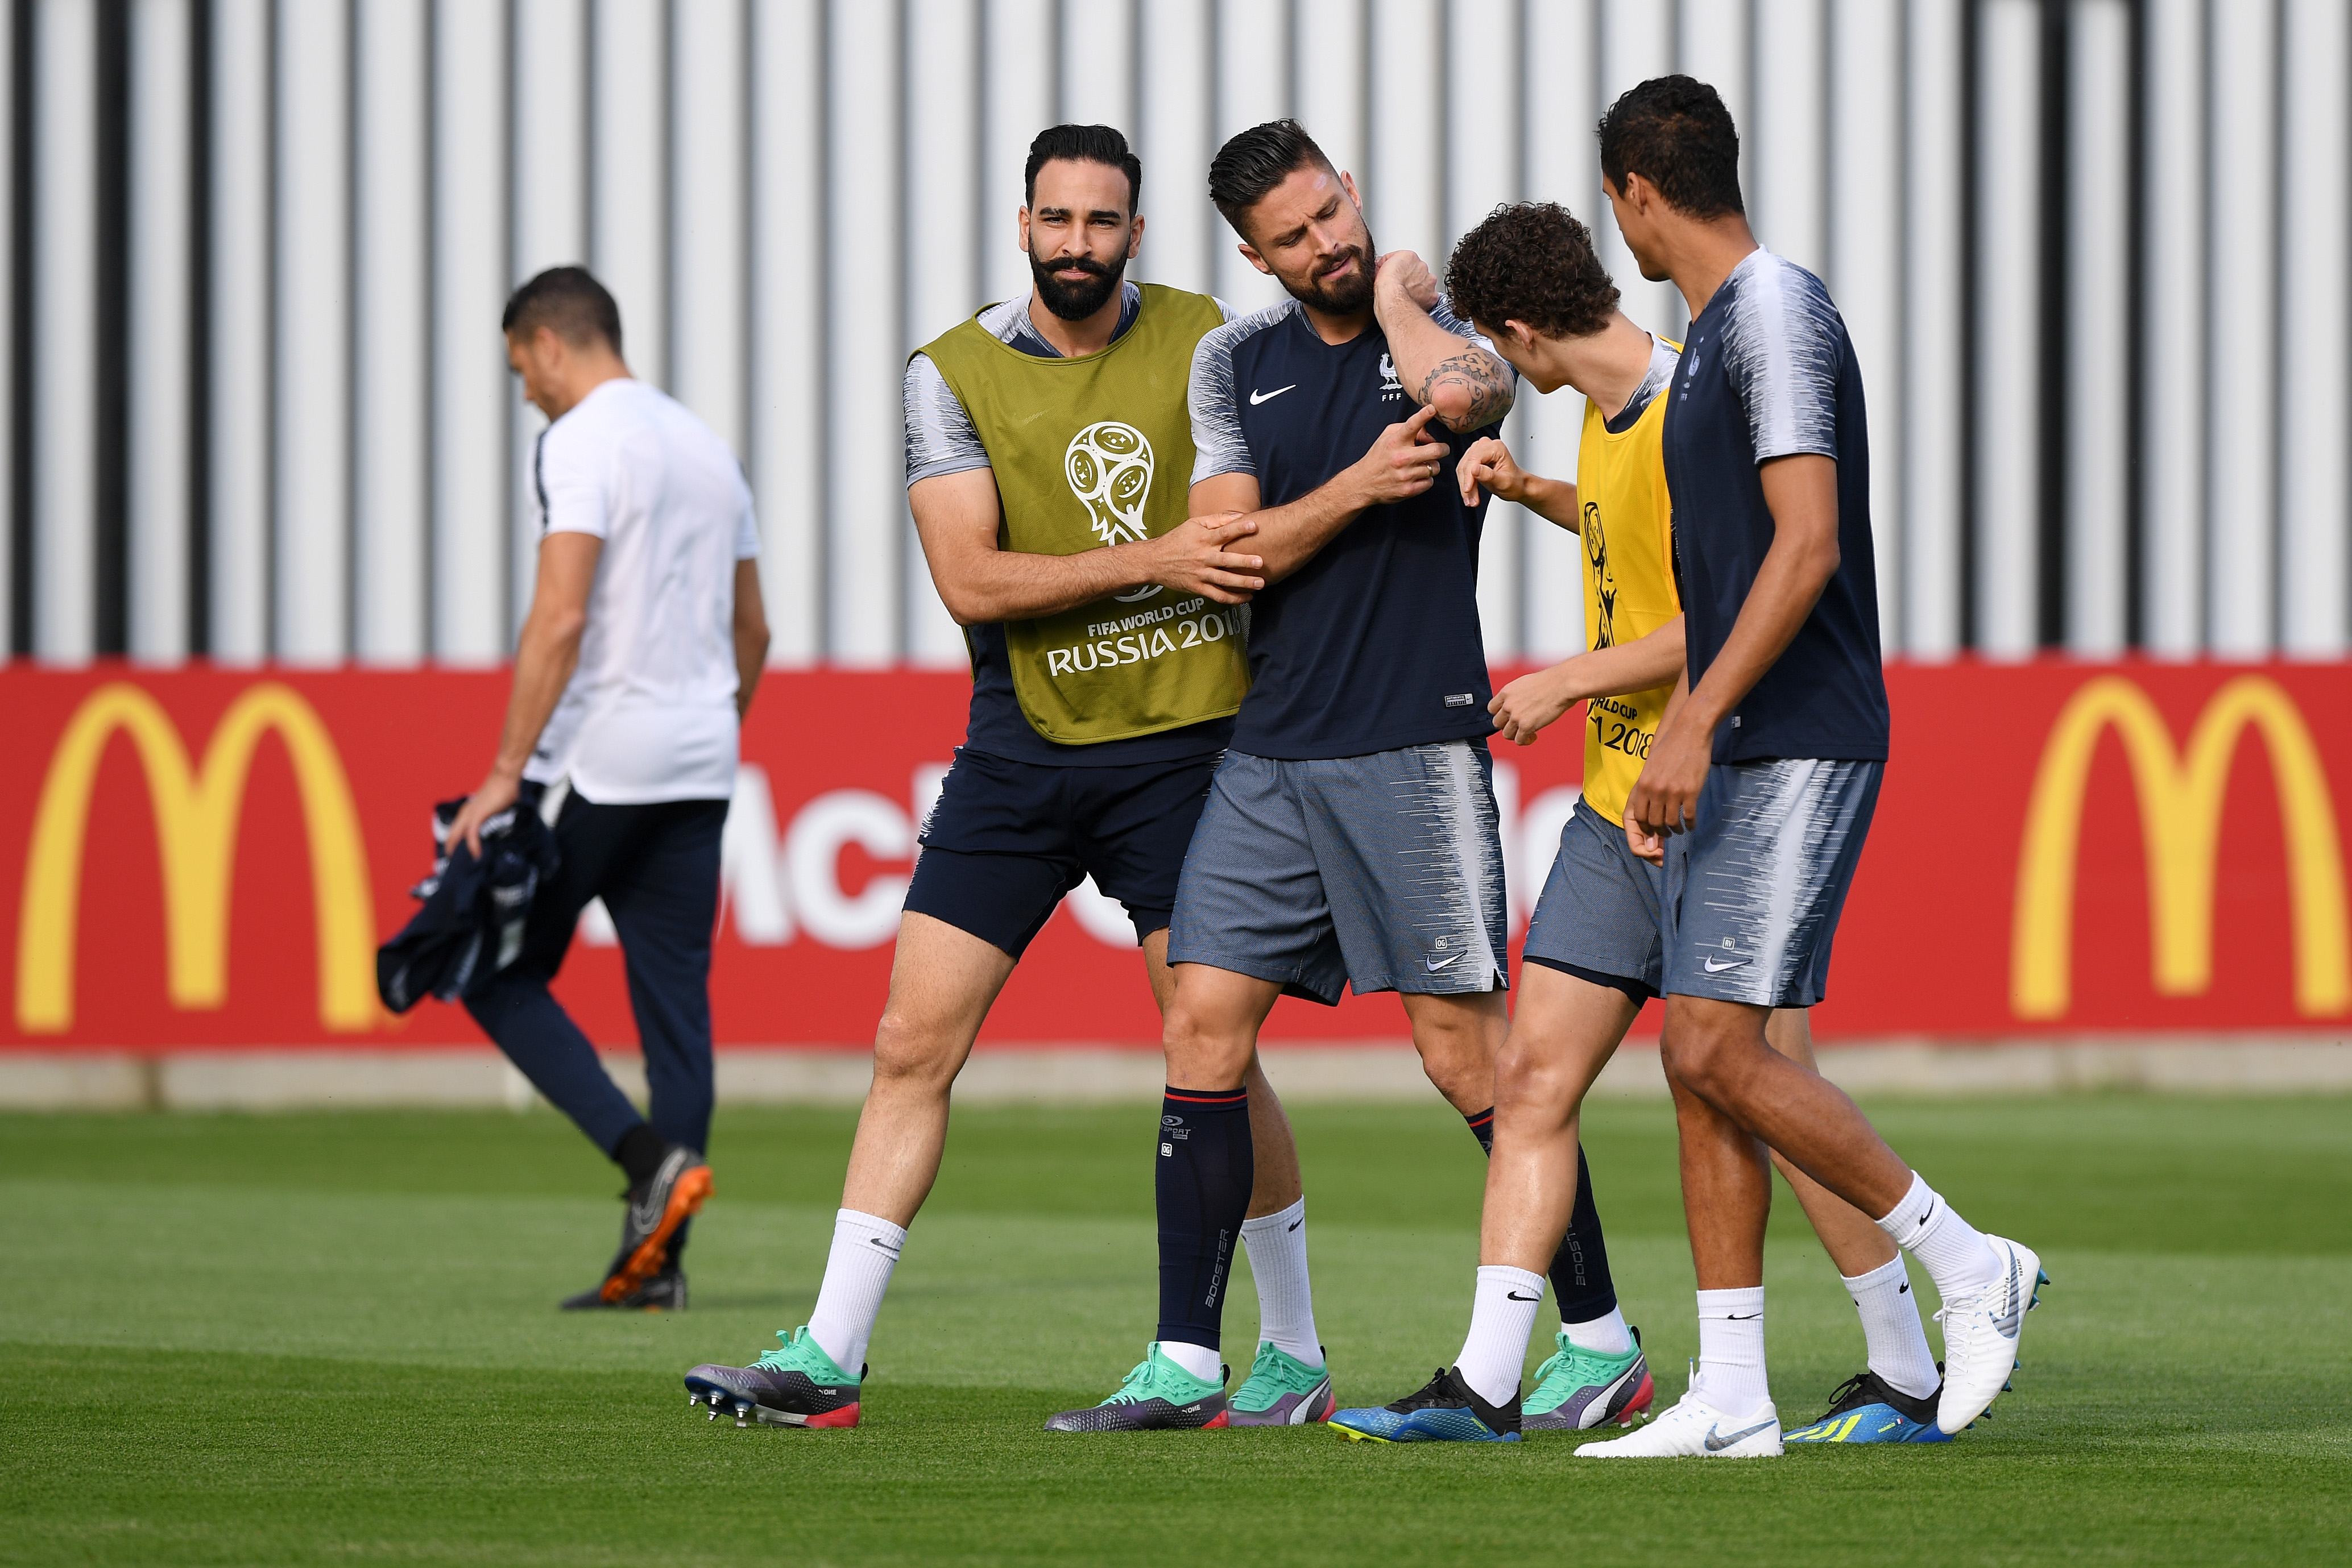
(1759, 789)
(1350, 838)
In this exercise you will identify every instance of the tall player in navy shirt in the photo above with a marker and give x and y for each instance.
(1759, 788)
(1350, 838)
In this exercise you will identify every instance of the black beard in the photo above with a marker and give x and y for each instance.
(1077, 301)
(1351, 293)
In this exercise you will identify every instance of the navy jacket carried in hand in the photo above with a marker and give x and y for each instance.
(471, 925)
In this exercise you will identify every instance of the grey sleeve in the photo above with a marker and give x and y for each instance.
(1783, 343)
(940, 436)
(1218, 444)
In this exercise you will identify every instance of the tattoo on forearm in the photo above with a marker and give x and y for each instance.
(1477, 374)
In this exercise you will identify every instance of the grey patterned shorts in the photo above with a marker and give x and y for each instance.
(1754, 893)
(1383, 872)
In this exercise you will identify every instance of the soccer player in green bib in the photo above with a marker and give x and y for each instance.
(1048, 457)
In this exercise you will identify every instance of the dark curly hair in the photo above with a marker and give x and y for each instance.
(1531, 263)
(1674, 132)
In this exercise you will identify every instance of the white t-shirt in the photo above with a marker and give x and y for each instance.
(650, 713)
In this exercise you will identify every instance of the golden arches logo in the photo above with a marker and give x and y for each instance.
(2180, 801)
(196, 812)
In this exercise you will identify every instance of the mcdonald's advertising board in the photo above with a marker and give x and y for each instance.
(206, 858)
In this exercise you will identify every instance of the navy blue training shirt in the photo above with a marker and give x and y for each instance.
(1374, 643)
(1768, 372)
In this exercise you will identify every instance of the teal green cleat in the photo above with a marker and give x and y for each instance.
(1158, 1396)
(1577, 1390)
(1282, 1391)
(795, 1384)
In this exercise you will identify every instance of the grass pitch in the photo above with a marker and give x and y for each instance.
(333, 1337)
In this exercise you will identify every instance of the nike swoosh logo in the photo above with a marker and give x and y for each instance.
(1716, 1444)
(1437, 964)
(1294, 1225)
(1741, 1317)
(1715, 969)
(884, 1245)
(1258, 397)
(1515, 1296)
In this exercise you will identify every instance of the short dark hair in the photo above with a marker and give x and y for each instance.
(1531, 263)
(1674, 132)
(1084, 144)
(569, 302)
(1255, 162)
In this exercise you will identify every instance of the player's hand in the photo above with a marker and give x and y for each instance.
(1489, 463)
(1665, 801)
(1194, 557)
(1524, 708)
(1647, 846)
(1404, 271)
(1401, 463)
(497, 791)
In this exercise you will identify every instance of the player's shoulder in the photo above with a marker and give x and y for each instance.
(1239, 329)
(1772, 304)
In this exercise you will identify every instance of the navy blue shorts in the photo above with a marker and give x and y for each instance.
(1007, 840)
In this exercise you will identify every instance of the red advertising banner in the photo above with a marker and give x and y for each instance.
(207, 858)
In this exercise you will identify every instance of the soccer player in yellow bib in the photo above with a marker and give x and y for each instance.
(1529, 280)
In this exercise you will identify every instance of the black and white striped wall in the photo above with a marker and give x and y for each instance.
(2092, 252)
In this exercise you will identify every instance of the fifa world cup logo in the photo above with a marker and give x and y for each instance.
(1108, 466)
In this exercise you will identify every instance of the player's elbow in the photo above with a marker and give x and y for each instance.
(964, 607)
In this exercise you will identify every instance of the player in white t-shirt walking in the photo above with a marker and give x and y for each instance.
(635, 666)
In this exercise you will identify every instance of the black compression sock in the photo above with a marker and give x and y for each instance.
(639, 1153)
(1579, 1269)
(1204, 1170)
(1482, 1127)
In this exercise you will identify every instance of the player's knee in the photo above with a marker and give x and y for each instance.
(1526, 1076)
(1204, 1052)
(909, 1055)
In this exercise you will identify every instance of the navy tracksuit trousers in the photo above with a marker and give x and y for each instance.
(656, 869)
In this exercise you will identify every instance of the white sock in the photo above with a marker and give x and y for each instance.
(865, 1250)
(1286, 1304)
(1202, 1363)
(1891, 1326)
(1502, 1314)
(1603, 1336)
(1954, 1252)
(1731, 1350)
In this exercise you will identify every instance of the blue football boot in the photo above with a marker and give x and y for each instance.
(1446, 1411)
(1866, 1409)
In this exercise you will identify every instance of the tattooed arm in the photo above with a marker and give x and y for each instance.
(1468, 385)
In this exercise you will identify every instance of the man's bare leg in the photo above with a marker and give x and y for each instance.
(1866, 1260)
(1565, 1033)
(1733, 1094)
(1458, 1037)
(1561, 1034)
(1852, 1238)
(943, 980)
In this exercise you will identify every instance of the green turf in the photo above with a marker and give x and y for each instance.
(306, 1338)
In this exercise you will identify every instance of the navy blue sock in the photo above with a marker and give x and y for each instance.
(1482, 1127)
(1579, 1269)
(1205, 1167)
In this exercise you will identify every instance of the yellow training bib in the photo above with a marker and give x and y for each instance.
(1627, 521)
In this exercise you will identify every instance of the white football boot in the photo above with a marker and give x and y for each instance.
(1697, 1430)
(1980, 1333)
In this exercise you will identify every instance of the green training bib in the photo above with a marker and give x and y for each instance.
(1087, 453)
